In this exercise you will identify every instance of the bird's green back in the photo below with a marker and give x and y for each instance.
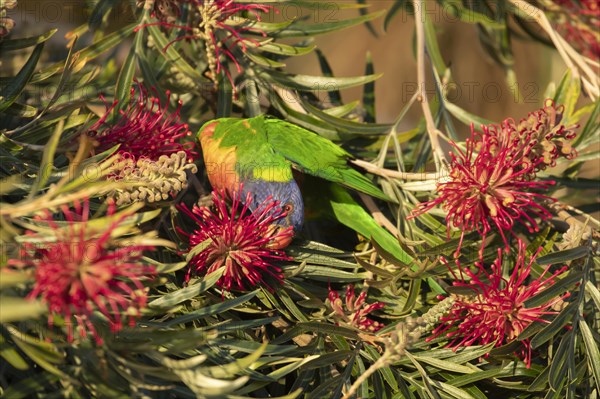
(266, 148)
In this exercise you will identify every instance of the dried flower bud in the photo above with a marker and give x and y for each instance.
(152, 181)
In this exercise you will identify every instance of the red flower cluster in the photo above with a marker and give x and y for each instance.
(488, 188)
(492, 183)
(214, 22)
(79, 273)
(354, 311)
(579, 22)
(243, 241)
(497, 312)
(540, 138)
(145, 128)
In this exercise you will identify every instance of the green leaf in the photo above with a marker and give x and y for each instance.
(198, 248)
(23, 110)
(334, 95)
(233, 368)
(557, 367)
(47, 164)
(174, 298)
(445, 365)
(555, 290)
(342, 110)
(290, 305)
(15, 309)
(17, 44)
(318, 5)
(369, 92)
(397, 6)
(469, 353)
(451, 390)
(321, 273)
(386, 371)
(475, 376)
(44, 354)
(328, 329)
(88, 53)
(211, 309)
(433, 49)
(285, 49)
(314, 83)
(8, 279)
(555, 327)
(455, 7)
(466, 117)
(10, 354)
(590, 288)
(299, 29)
(592, 350)
(102, 8)
(225, 99)
(30, 387)
(328, 359)
(125, 78)
(326, 388)
(11, 91)
(351, 214)
(567, 94)
(563, 256)
(591, 128)
(348, 126)
(172, 55)
(264, 61)
(429, 386)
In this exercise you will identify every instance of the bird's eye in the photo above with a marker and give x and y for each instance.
(288, 207)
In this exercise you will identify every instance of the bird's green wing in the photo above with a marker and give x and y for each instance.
(315, 155)
(242, 144)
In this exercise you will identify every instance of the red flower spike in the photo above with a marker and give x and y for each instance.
(145, 128)
(215, 24)
(540, 139)
(490, 185)
(243, 241)
(79, 273)
(578, 21)
(497, 312)
(354, 311)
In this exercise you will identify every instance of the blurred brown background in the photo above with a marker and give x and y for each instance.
(481, 87)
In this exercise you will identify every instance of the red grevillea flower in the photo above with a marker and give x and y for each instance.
(354, 311)
(244, 242)
(497, 312)
(218, 23)
(579, 23)
(490, 185)
(79, 273)
(144, 128)
(540, 139)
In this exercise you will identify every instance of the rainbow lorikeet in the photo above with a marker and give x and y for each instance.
(260, 152)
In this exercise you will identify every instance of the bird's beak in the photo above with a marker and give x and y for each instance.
(280, 236)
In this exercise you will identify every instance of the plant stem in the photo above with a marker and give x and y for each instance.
(394, 174)
(378, 215)
(381, 362)
(591, 81)
(439, 156)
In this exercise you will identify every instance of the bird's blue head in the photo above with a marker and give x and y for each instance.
(287, 193)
